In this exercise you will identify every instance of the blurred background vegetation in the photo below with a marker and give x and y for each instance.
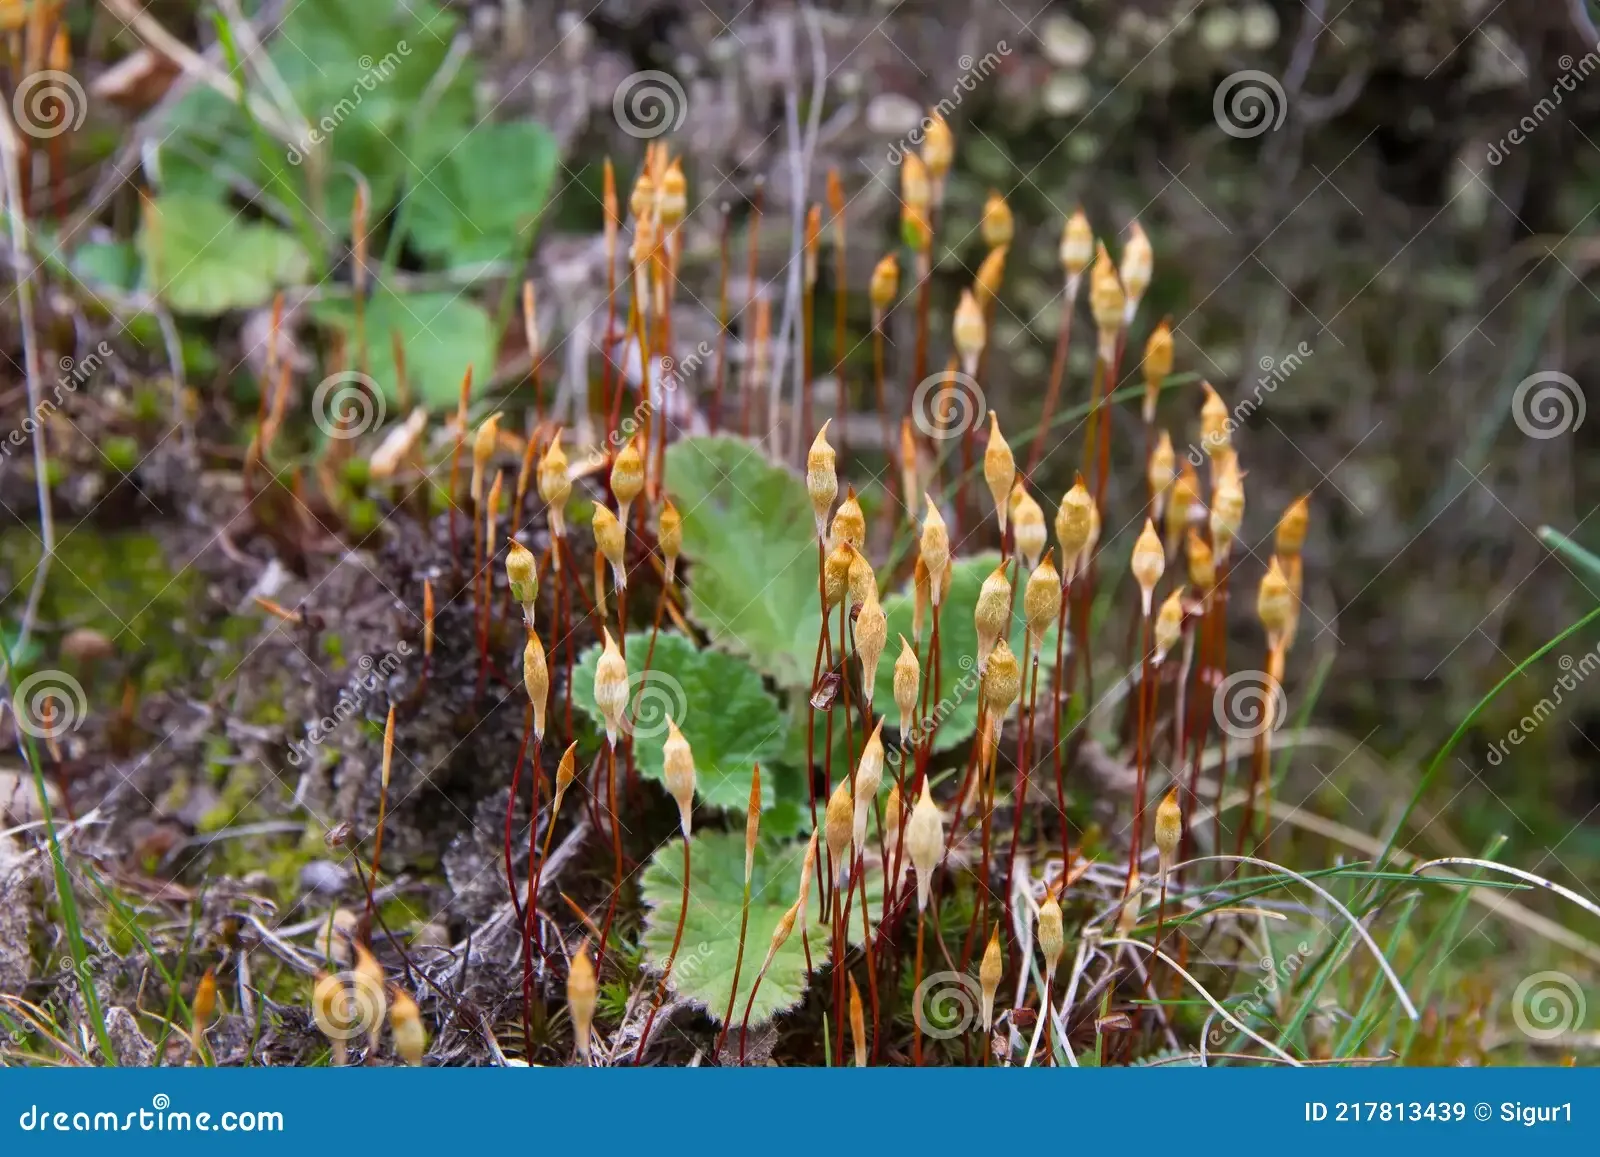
(1388, 225)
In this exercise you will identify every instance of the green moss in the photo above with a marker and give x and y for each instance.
(362, 516)
(122, 453)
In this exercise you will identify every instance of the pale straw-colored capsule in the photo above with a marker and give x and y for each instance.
(1157, 367)
(992, 612)
(483, 448)
(1216, 433)
(610, 541)
(1161, 472)
(938, 150)
(935, 549)
(998, 224)
(1128, 915)
(1169, 830)
(915, 191)
(991, 271)
(1074, 522)
(611, 686)
(1148, 562)
(1041, 601)
(1002, 685)
(329, 1009)
(522, 576)
(1169, 625)
(536, 679)
(1138, 263)
(1106, 301)
(883, 287)
(990, 971)
(1275, 604)
(838, 827)
(1051, 936)
(555, 486)
(869, 775)
(836, 573)
(1027, 526)
(405, 1024)
(582, 995)
(1183, 503)
(999, 469)
(925, 842)
(872, 635)
(860, 582)
(907, 682)
(1291, 533)
(677, 765)
(822, 479)
(669, 536)
(968, 332)
(849, 523)
(1202, 565)
(627, 477)
(1077, 244)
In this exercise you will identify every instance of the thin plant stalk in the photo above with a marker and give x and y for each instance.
(616, 851)
(526, 919)
(1058, 370)
(677, 940)
(383, 799)
(1142, 749)
(511, 805)
(757, 196)
(916, 985)
(722, 318)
